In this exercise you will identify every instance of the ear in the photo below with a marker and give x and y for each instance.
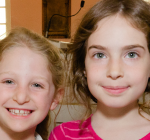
(57, 98)
(84, 73)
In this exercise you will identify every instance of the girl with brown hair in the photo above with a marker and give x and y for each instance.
(111, 65)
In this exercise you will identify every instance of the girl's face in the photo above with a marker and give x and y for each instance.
(117, 62)
(26, 89)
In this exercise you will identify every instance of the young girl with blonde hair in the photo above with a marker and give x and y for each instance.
(31, 84)
(111, 65)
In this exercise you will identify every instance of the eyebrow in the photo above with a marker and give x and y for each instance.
(97, 47)
(134, 46)
(8, 72)
(124, 48)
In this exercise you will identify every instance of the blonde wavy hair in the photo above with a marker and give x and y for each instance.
(23, 37)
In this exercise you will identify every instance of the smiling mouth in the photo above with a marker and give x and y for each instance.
(19, 112)
(115, 90)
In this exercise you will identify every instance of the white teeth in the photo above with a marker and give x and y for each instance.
(19, 112)
(16, 111)
(22, 111)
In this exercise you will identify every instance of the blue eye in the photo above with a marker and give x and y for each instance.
(8, 82)
(37, 85)
(132, 55)
(99, 55)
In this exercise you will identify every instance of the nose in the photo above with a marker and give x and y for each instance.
(21, 95)
(115, 69)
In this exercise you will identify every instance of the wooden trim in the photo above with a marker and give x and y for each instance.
(8, 17)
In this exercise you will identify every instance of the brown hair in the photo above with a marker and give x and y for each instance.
(137, 12)
(23, 37)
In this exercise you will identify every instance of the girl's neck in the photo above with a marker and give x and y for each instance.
(10, 135)
(105, 114)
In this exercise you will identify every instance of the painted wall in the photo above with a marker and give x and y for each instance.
(75, 5)
(28, 13)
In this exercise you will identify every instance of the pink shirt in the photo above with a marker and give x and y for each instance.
(71, 131)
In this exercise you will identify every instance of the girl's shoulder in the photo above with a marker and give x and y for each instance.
(67, 127)
(61, 131)
(147, 137)
(73, 125)
(72, 130)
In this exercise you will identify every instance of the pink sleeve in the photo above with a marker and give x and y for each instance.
(57, 134)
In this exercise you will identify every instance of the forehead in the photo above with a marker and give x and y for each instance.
(24, 54)
(20, 47)
(24, 60)
(118, 31)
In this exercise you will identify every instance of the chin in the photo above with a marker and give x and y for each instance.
(21, 129)
(18, 129)
(115, 104)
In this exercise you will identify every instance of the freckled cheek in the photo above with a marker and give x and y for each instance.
(96, 70)
(44, 100)
(95, 75)
(5, 94)
(138, 75)
(44, 106)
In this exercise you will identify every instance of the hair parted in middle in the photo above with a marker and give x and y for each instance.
(136, 12)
